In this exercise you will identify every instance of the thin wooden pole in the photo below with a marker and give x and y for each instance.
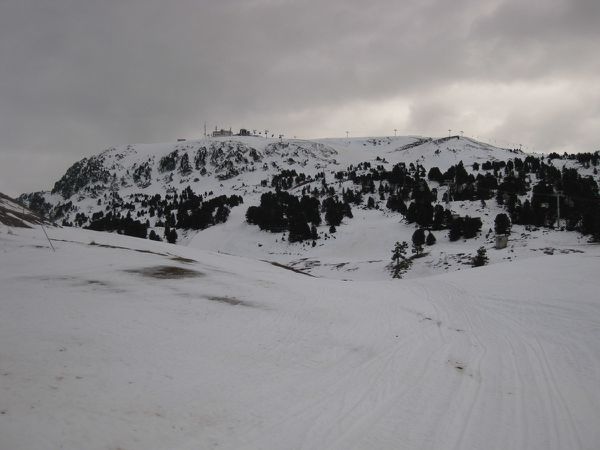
(49, 241)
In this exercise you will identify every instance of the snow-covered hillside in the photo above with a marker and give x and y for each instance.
(113, 342)
(149, 183)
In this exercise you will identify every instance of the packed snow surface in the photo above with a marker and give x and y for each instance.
(120, 343)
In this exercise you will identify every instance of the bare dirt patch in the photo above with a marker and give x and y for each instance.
(283, 266)
(551, 250)
(181, 259)
(228, 300)
(166, 272)
(95, 283)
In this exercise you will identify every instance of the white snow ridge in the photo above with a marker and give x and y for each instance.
(238, 339)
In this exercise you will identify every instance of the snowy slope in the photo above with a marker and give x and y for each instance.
(120, 343)
(361, 248)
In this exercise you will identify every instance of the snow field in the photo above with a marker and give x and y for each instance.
(153, 346)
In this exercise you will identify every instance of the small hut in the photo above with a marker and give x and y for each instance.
(501, 241)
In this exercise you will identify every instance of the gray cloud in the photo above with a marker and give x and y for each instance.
(78, 76)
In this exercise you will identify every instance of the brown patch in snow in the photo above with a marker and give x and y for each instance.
(166, 272)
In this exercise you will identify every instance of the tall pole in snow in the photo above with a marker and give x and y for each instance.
(49, 241)
(449, 132)
(347, 133)
(395, 132)
(558, 196)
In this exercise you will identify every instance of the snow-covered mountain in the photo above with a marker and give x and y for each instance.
(199, 192)
(222, 164)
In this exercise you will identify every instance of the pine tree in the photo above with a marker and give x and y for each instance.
(418, 240)
(430, 239)
(455, 229)
(502, 224)
(222, 214)
(471, 226)
(171, 236)
(481, 258)
(400, 263)
(154, 237)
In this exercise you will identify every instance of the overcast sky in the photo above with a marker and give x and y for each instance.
(78, 76)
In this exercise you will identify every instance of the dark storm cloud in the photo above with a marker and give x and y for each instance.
(77, 76)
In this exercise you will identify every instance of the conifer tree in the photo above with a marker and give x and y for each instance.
(418, 240)
(502, 224)
(154, 237)
(481, 258)
(430, 239)
(400, 263)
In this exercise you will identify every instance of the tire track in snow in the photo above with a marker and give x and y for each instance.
(345, 399)
(463, 343)
(548, 390)
(555, 396)
(525, 355)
